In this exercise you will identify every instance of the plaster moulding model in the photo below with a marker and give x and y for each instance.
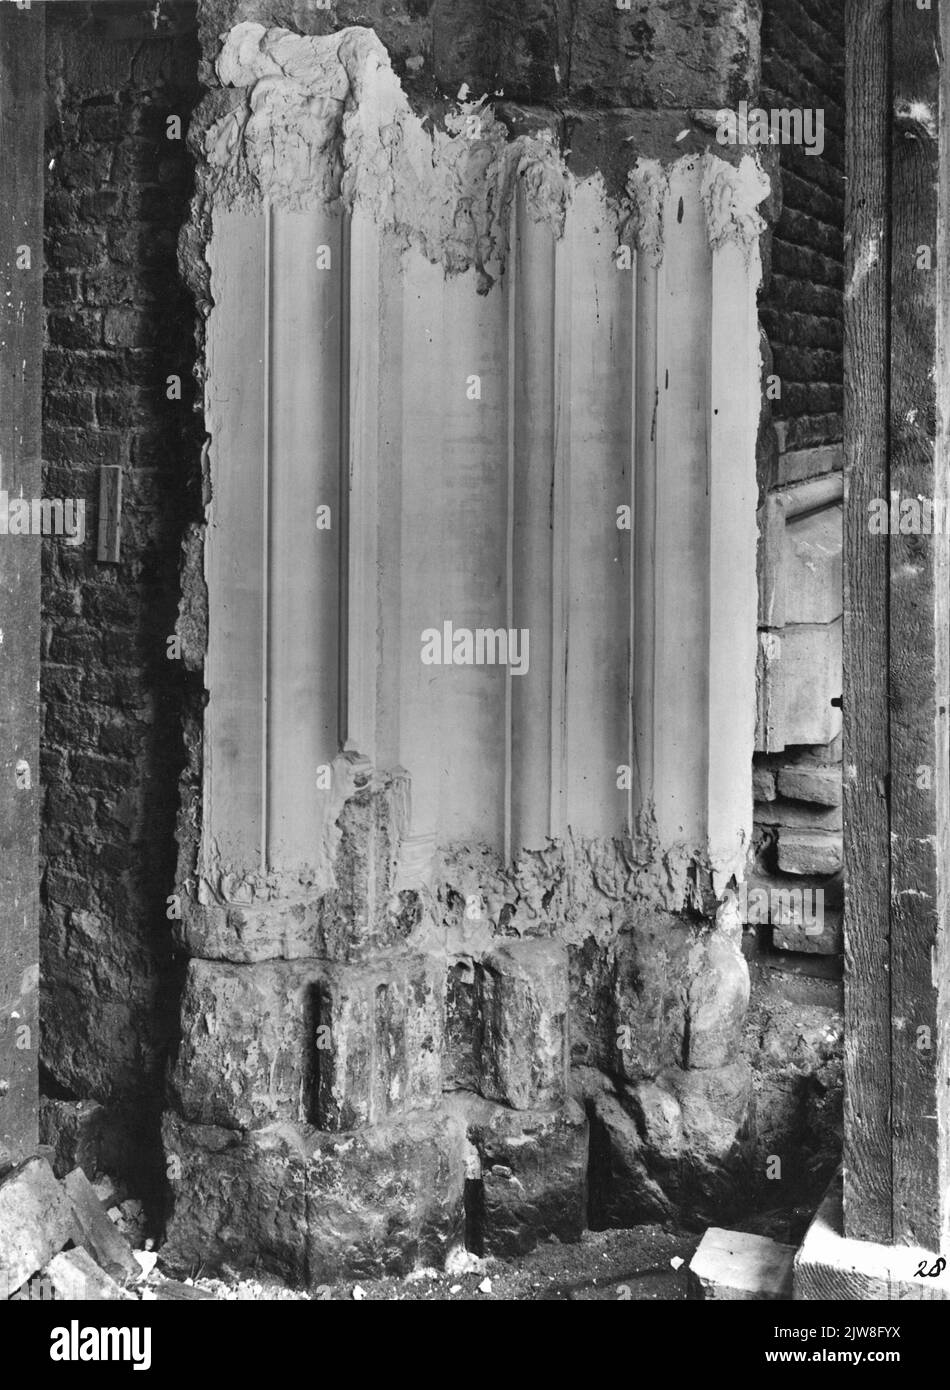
(462, 245)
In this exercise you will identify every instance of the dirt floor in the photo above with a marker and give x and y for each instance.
(648, 1262)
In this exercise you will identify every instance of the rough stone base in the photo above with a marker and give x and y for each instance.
(530, 1178)
(665, 1147)
(310, 1207)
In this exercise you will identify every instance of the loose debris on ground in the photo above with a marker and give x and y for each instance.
(76, 1239)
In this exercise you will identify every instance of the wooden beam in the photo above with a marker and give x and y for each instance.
(918, 628)
(109, 547)
(897, 622)
(22, 85)
(831, 1267)
(868, 1190)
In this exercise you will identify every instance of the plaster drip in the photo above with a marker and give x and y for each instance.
(323, 120)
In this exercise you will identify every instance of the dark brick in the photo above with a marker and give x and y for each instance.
(112, 287)
(82, 329)
(129, 327)
(77, 448)
(104, 123)
(79, 168)
(60, 290)
(802, 304)
(69, 407)
(100, 204)
(116, 197)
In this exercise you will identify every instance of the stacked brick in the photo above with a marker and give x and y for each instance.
(119, 323)
(797, 776)
(802, 306)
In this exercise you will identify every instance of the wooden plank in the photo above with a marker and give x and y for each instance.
(22, 85)
(830, 1266)
(942, 590)
(867, 1146)
(110, 514)
(917, 628)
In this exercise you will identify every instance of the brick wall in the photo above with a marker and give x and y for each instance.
(797, 773)
(802, 309)
(118, 324)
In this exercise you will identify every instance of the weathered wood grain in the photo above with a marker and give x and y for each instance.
(22, 83)
(918, 628)
(868, 1188)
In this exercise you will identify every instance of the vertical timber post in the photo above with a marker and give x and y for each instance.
(897, 627)
(868, 1181)
(22, 85)
(918, 629)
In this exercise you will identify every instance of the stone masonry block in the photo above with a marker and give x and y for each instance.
(462, 1028)
(763, 784)
(95, 1232)
(533, 1174)
(829, 941)
(74, 1275)
(307, 1041)
(679, 998)
(662, 53)
(798, 815)
(648, 1004)
(813, 592)
(734, 1266)
(239, 1199)
(819, 785)
(718, 997)
(386, 1199)
(311, 1207)
(524, 1002)
(810, 675)
(381, 1053)
(664, 1147)
(807, 853)
(36, 1221)
(247, 934)
(247, 1045)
